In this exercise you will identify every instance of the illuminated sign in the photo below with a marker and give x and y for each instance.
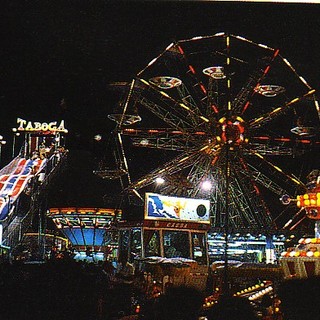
(175, 208)
(53, 126)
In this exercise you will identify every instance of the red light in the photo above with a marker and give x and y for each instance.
(246, 106)
(214, 108)
(282, 139)
(203, 88)
(180, 50)
(266, 70)
(192, 69)
(276, 53)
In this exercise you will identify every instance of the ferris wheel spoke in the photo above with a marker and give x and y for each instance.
(192, 77)
(164, 138)
(284, 175)
(260, 121)
(181, 109)
(243, 99)
(254, 192)
(201, 173)
(177, 164)
(257, 176)
(174, 144)
(264, 149)
(246, 204)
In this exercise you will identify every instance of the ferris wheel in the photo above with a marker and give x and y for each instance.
(217, 117)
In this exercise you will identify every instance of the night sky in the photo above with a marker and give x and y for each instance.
(58, 57)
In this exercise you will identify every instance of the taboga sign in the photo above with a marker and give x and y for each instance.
(177, 209)
(30, 126)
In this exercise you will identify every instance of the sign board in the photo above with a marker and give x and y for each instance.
(162, 207)
(29, 126)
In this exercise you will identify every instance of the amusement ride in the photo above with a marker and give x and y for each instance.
(218, 117)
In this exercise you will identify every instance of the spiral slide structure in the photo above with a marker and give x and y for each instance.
(14, 179)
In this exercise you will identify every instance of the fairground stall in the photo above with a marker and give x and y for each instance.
(303, 260)
(90, 231)
(170, 244)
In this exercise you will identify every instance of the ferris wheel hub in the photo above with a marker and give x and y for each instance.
(232, 131)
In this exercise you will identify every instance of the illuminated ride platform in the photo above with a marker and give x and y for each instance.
(89, 230)
(303, 260)
(170, 244)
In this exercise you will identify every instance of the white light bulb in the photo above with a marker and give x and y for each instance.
(206, 185)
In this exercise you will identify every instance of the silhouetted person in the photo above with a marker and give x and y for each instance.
(300, 298)
(232, 308)
(179, 303)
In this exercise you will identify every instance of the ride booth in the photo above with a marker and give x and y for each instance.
(90, 231)
(303, 260)
(169, 246)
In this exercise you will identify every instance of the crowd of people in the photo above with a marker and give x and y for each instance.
(67, 289)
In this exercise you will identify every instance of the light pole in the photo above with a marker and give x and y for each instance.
(15, 135)
(2, 142)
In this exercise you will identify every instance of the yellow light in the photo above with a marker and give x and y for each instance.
(204, 148)
(305, 196)
(294, 100)
(296, 181)
(307, 202)
(204, 118)
(184, 106)
(185, 158)
(276, 110)
(164, 94)
(257, 120)
(239, 119)
(298, 203)
(144, 81)
(313, 202)
(277, 168)
(141, 181)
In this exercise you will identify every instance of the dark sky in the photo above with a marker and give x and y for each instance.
(71, 50)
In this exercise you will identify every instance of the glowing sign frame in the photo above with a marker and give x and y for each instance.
(160, 207)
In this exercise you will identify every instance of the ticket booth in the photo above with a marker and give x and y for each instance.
(170, 244)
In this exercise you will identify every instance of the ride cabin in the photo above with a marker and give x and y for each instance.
(169, 245)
